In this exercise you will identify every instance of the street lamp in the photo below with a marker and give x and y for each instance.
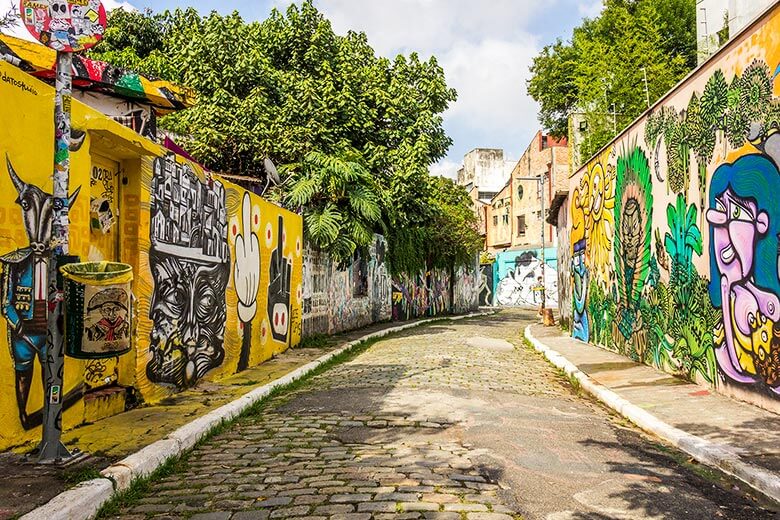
(540, 181)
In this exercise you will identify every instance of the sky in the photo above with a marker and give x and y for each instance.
(485, 47)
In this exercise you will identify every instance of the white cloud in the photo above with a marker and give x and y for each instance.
(445, 168)
(590, 8)
(485, 49)
(490, 79)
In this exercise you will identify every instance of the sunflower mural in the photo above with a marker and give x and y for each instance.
(598, 194)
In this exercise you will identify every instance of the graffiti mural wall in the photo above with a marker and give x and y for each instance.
(336, 300)
(26, 159)
(217, 271)
(424, 294)
(466, 288)
(519, 277)
(564, 260)
(486, 284)
(673, 228)
(221, 283)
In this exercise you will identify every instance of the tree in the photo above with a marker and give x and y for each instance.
(601, 71)
(339, 201)
(322, 105)
(10, 18)
(445, 234)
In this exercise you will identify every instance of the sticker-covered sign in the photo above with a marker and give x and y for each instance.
(64, 25)
(106, 319)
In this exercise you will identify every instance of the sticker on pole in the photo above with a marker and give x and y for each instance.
(65, 25)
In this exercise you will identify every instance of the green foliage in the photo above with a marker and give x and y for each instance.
(355, 133)
(339, 200)
(600, 70)
(443, 234)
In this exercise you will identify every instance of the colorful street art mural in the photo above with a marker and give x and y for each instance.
(335, 300)
(424, 294)
(486, 284)
(26, 161)
(519, 277)
(224, 284)
(674, 228)
(190, 264)
(217, 270)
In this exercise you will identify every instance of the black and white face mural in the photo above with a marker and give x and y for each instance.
(190, 264)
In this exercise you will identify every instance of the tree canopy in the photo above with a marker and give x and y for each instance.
(323, 106)
(600, 72)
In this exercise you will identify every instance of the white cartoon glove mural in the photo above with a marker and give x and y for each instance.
(246, 277)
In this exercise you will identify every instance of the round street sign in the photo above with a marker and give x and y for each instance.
(64, 25)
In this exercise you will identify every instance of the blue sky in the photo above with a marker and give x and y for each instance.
(484, 46)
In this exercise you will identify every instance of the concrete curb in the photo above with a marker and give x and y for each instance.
(85, 500)
(721, 456)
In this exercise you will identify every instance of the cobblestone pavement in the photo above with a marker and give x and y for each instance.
(456, 420)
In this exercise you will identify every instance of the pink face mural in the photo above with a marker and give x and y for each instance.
(743, 254)
(737, 224)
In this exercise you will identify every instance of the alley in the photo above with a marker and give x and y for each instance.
(450, 420)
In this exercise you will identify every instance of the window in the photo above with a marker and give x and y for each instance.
(495, 220)
(521, 225)
(505, 219)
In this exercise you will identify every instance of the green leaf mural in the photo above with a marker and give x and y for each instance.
(682, 239)
(730, 108)
(633, 236)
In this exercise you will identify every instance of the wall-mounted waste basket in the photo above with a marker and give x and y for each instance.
(97, 309)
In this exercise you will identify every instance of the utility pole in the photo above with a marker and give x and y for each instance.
(540, 185)
(614, 119)
(706, 30)
(51, 448)
(67, 31)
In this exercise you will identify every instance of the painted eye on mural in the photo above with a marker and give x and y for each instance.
(206, 305)
(173, 299)
(739, 212)
(25, 205)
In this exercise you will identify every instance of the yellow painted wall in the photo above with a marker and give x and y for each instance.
(264, 224)
(26, 138)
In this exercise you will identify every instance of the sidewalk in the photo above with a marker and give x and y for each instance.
(113, 438)
(738, 438)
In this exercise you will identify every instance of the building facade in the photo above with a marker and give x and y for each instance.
(514, 217)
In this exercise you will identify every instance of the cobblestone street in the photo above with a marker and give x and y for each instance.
(454, 420)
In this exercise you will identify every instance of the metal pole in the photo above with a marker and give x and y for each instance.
(51, 449)
(544, 295)
(647, 91)
(614, 119)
